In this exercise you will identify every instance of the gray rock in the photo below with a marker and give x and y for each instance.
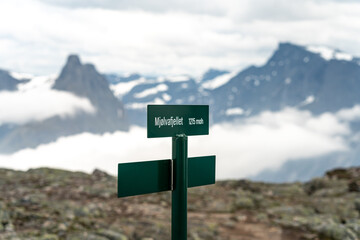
(4, 217)
(111, 235)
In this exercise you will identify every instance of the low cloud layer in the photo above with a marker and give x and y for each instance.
(36, 102)
(242, 149)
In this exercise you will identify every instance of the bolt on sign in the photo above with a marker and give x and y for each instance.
(178, 173)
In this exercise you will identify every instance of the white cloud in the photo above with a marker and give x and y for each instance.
(167, 37)
(159, 6)
(86, 151)
(243, 149)
(349, 114)
(268, 140)
(36, 101)
(246, 9)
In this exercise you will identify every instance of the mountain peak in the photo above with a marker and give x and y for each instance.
(284, 45)
(73, 60)
(7, 82)
(81, 79)
(90, 67)
(289, 48)
(288, 51)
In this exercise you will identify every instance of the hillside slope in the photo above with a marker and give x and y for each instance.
(57, 204)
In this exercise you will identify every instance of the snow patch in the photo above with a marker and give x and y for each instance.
(21, 76)
(329, 53)
(166, 97)
(152, 91)
(218, 81)
(325, 52)
(343, 56)
(234, 111)
(144, 105)
(160, 79)
(122, 88)
(180, 78)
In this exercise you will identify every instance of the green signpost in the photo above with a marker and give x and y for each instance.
(176, 174)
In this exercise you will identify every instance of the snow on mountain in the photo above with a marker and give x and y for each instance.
(329, 53)
(294, 76)
(319, 81)
(218, 81)
(152, 91)
(144, 90)
(21, 76)
(178, 78)
(142, 106)
(211, 74)
(122, 88)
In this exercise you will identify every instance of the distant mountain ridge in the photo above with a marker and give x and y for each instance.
(293, 76)
(317, 79)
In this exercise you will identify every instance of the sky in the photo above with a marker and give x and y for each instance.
(167, 37)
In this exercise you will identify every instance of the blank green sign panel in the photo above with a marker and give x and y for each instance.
(155, 176)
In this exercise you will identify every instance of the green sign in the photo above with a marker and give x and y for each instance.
(156, 176)
(169, 120)
(201, 171)
(144, 177)
(177, 174)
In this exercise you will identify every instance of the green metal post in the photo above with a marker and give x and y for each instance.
(180, 185)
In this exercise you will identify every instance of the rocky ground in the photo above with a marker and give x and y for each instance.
(55, 204)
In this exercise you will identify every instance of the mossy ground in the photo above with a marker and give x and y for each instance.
(56, 204)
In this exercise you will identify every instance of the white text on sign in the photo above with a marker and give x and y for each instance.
(171, 122)
(194, 121)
